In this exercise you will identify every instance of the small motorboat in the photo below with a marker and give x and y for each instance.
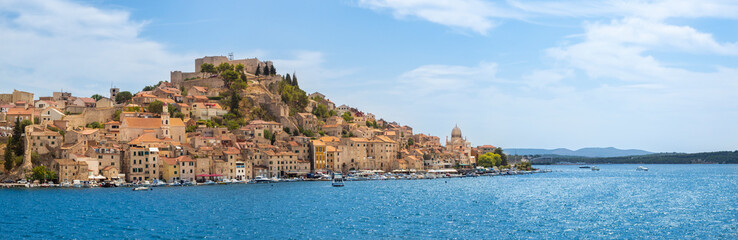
(142, 188)
(595, 168)
(641, 168)
(583, 166)
(337, 180)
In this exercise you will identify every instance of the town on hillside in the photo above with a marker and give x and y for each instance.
(229, 119)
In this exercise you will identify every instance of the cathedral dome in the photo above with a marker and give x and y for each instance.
(456, 132)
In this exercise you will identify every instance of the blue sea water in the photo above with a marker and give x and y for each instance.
(668, 201)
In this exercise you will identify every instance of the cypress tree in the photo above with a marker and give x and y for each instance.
(258, 70)
(273, 71)
(8, 157)
(294, 80)
(288, 79)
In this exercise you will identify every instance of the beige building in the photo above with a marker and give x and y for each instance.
(44, 141)
(142, 164)
(70, 170)
(106, 157)
(174, 128)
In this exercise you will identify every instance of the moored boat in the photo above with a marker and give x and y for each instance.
(337, 180)
(641, 168)
(142, 188)
(595, 168)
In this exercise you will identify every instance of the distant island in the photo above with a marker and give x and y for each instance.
(584, 152)
(722, 157)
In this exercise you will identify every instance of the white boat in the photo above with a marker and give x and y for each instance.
(158, 183)
(261, 179)
(641, 168)
(595, 168)
(337, 180)
(77, 183)
(142, 189)
(66, 184)
(209, 182)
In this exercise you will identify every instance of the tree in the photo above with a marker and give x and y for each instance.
(288, 78)
(239, 68)
(321, 111)
(8, 158)
(43, 174)
(272, 70)
(229, 76)
(207, 68)
(410, 142)
(489, 160)
(116, 115)
(16, 141)
(233, 104)
(503, 156)
(267, 134)
(258, 70)
(155, 107)
(172, 109)
(347, 117)
(224, 67)
(123, 96)
(294, 79)
(97, 97)
(95, 125)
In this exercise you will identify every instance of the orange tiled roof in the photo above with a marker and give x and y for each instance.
(19, 111)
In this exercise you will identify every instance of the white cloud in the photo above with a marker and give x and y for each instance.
(310, 70)
(653, 9)
(53, 45)
(431, 79)
(476, 15)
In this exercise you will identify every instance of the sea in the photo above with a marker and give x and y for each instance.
(617, 202)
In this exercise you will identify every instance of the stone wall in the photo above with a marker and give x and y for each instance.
(16, 96)
(6, 98)
(249, 64)
(89, 115)
(22, 96)
(207, 82)
(178, 77)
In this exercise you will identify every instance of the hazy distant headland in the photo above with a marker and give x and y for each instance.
(620, 156)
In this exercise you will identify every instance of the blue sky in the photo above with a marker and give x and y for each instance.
(656, 75)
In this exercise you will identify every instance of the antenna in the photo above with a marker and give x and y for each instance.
(230, 56)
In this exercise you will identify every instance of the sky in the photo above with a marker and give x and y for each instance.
(659, 75)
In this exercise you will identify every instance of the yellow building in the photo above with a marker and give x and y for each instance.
(318, 150)
(169, 169)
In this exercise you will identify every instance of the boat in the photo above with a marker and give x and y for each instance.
(66, 184)
(209, 182)
(583, 166)
(77, 183)
(107, 185)
(337, 180)
(595, 168)
(142, 188)
(158, 183)
(641, 168)
(261, 179)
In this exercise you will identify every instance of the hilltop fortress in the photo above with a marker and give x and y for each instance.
(250, 64)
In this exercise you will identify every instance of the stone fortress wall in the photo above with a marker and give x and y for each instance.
(178, 77)
(89, 115)
(16, 96)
